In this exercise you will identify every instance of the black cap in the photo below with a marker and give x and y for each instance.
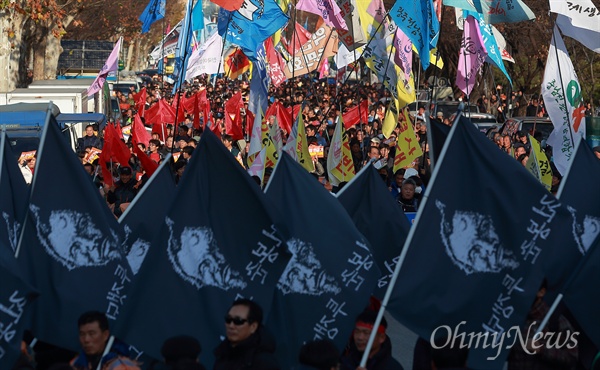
(125, 170)
(180, 347)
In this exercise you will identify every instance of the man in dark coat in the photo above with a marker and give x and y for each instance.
(380, 356)
(248, 345)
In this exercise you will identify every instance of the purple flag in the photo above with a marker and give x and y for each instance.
(327, 9)
(403, 56)
(472, 56)
(109, 66)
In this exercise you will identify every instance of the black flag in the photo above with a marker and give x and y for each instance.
(70, 248)
(474, 259)
(217, 243)
(379, 218)
(332, 274)
(142, 218)
(13, 196)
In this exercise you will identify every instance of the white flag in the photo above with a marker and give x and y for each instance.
(563, 102)
(345, 57)
(578, 19)
(207, 58)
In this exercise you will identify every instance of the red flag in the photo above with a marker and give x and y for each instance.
(178, 105)
(148, 164)
(236, 64)
(276, 63)
(230, 5)
(106, 174)
(139, 132)
(160, 113)
(215, 127)
(114, 147)
(196, 123)
(249, 122)
(140, 101)
(160, 129)
(233, 118)
(357, 114)
(204, 105)
(283, 116)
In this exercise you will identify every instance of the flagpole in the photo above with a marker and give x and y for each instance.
(120, 51)
(554, 29)
(402, 257)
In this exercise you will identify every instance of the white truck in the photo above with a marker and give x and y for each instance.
(97, 104)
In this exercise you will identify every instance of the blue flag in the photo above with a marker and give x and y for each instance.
(379, 218)
(183, 50)
(251, 25)
(70, 247)
(13, 196)
(154, 11)
(485, 256)
(579, 191)
(15, 306)
(217, 243)
(259, 85)
(197, 17)
(413, 18)
(497, 11)
(489, 42)
(147, 210)
(438, 134)
(332, 274)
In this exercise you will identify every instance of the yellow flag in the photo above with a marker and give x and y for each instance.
(339, 160)
(407, 147)
(272, 156)
(540, 166)
(302, 152)
(391, 119)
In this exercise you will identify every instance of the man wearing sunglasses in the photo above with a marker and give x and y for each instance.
(248, 345)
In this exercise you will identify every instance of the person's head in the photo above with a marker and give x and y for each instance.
(31, 162)
(227, 141)
(186, 152)
(243, 319)
(408, 189)
(363, 326)
(384, 150)
(169, 142)
(154, 145)
(180, 347)
(89, 130)
(310, 130)
(125, 174)
(89, 168)
(320, 354)
(519, 151)
(506, 142)
(93, 332)
(399, 177)
(374, 153)
(523, 158)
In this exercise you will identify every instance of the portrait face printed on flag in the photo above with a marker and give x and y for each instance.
(137, 252)
(304, 273)
(196, 258)
(471, 242)
(585, 230)
(72, 239)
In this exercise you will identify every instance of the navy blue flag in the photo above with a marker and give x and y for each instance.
(579, 191)
(70, 247)
(217, 243)
(15, 298)
(154, 11)
(147, 210)
(474, 260)
(259, 85)
(13, 196)
(379, 218)
(251, 25)
(438, 134)
(332, 274)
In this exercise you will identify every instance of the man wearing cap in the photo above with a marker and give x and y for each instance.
(380, 356)
(122, 192)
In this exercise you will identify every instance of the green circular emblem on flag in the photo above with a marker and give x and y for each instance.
(574, 93)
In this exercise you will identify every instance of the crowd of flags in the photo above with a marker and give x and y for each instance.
(478, 257)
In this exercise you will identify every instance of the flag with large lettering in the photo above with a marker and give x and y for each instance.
(16, 296)
(13, 196)
(578, 19)
(496, 11)
(203, 257)
(413, 18)
(71, 245)
(154, 11)
(471, 57)
(407, 146)
(323, 43)
(563, 100)
(379, 218)
(354, 36)
(109, 66)
(332, 273)
(494, 55)
(251, 24)
(297, 146)
(340, 167)
(538, 164)
(236, 64)
(140, 219)
(487, 257)
(403, 55)
(276, 64)
(207, 58)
